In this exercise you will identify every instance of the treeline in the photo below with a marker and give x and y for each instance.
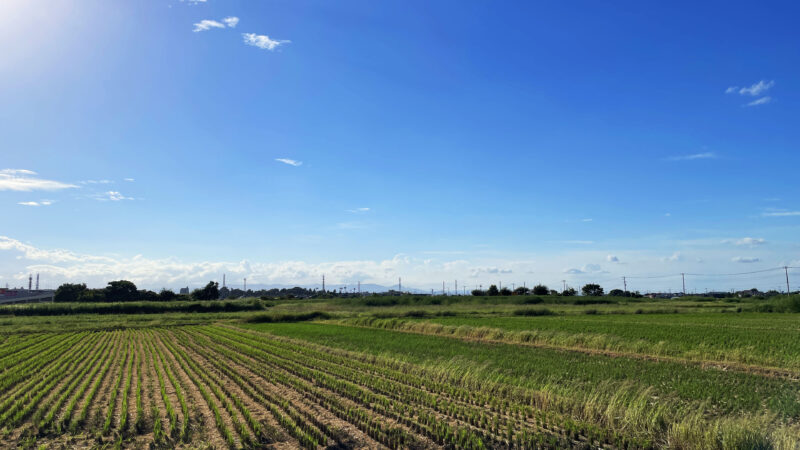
(274, 293)
(589, 290)
(139, 307)
(423, 300)
(126, 291)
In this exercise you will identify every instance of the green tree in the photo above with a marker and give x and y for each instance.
(167, 295)
(121, 291)
(569, 292)
(505, 291)
(592, 289)
(478, 293)
(69, 292)
(493, 291)
(521, 291)
(209, 292)
(540, 289)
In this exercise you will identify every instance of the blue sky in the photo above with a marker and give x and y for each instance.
(168, 142)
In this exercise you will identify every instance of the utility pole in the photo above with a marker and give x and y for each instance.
(359, 288)
(456, 289)
(786, 270)
(223, 280)
(245, 285)
(564, 282)
(625, 284)
(30, 282)
(683, 280)
(400, 284)
(442, 287)
(37, 282)
(323, 283)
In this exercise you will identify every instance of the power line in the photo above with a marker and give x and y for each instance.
(733, 274)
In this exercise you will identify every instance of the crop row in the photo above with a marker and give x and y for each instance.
(237, 388)
(432, 414)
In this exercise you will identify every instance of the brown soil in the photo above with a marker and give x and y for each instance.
(205, 417)
(101, 362)
(260, 412)
(129, 367)
(351, 437)
(28, 428)
(94, 420)
(168, 388)
(305, 401)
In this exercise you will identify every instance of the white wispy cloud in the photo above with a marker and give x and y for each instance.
(39, 203)
(96, 182)
(612, 259)
(478, 271)
(207, 24)
(586, 269)
(263, 41)
(753, 90)
(575, 242)
(113, 196)
(58, 266)
(587, 220)
(674, 257)
(231, 21)
(761, 101)
(290, 162)
(745, 259)
(130, 180)
(32, 253)
(704, 155)
(358, 210)
(23, 180)
(17, 172)
(781, 214)
(747, 241)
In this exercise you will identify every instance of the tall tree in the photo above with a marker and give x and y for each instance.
(69, 292)
(209, 292)
(592, 289)
(121, 291)
(540, 289)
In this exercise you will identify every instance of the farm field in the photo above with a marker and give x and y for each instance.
(749, 338)
(270, 380)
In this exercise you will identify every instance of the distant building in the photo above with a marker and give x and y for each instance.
(749, 293)
(184, 290)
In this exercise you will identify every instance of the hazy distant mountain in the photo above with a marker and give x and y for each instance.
(365, 287)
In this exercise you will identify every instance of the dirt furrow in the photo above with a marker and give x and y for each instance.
(172, 396)
(296, 396)
(351, 436)
(260, 412)
(28, 428)
(203, 414)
